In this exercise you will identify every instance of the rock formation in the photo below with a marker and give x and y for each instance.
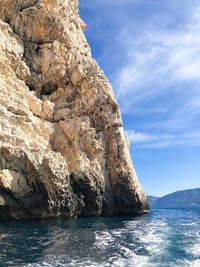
(63, 151)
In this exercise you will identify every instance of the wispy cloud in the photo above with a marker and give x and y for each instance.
(144, 140)
(140, 137)
(159, 60)
(163, 67)
(150, 51)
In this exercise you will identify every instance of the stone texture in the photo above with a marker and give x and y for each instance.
(63, 151)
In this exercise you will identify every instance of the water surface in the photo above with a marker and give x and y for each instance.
(163, 238)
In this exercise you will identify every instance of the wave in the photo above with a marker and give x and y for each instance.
(164, 238)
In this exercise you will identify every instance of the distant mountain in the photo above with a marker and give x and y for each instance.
(184, 197)
(152, 200)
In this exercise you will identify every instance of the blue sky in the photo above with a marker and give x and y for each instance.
(150, 51)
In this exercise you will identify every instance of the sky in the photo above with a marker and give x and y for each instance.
(150, 52)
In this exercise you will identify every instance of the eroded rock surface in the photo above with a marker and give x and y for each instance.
(63, 151)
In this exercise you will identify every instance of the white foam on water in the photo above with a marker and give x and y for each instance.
(195, 248)
(103, 239)
(193, 237)
(140, 243)
(153, 241)
(155, 237)
(194, 263)
(57, 262)
(123, 255)
(130, 259)
(187, 263)
(2, 236)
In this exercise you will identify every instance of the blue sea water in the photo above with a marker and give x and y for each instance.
(164, 238)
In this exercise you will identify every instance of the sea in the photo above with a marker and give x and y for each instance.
(166, 237)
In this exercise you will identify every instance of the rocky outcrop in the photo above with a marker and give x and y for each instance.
(63, 151)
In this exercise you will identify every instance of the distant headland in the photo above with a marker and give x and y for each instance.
(183, 197)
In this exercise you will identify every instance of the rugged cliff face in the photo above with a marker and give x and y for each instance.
(63, 151)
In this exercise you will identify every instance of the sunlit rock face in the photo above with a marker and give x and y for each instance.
(63, 151)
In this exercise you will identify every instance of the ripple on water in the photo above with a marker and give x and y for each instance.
(164, 238)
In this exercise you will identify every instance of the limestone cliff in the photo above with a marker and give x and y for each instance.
(63, 151)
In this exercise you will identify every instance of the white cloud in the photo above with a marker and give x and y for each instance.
(168, 58)
(153, 54)
(145, 140)
(163, 67)
(139, 137)
(168, 55)
(190, 71)
(129, 76)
